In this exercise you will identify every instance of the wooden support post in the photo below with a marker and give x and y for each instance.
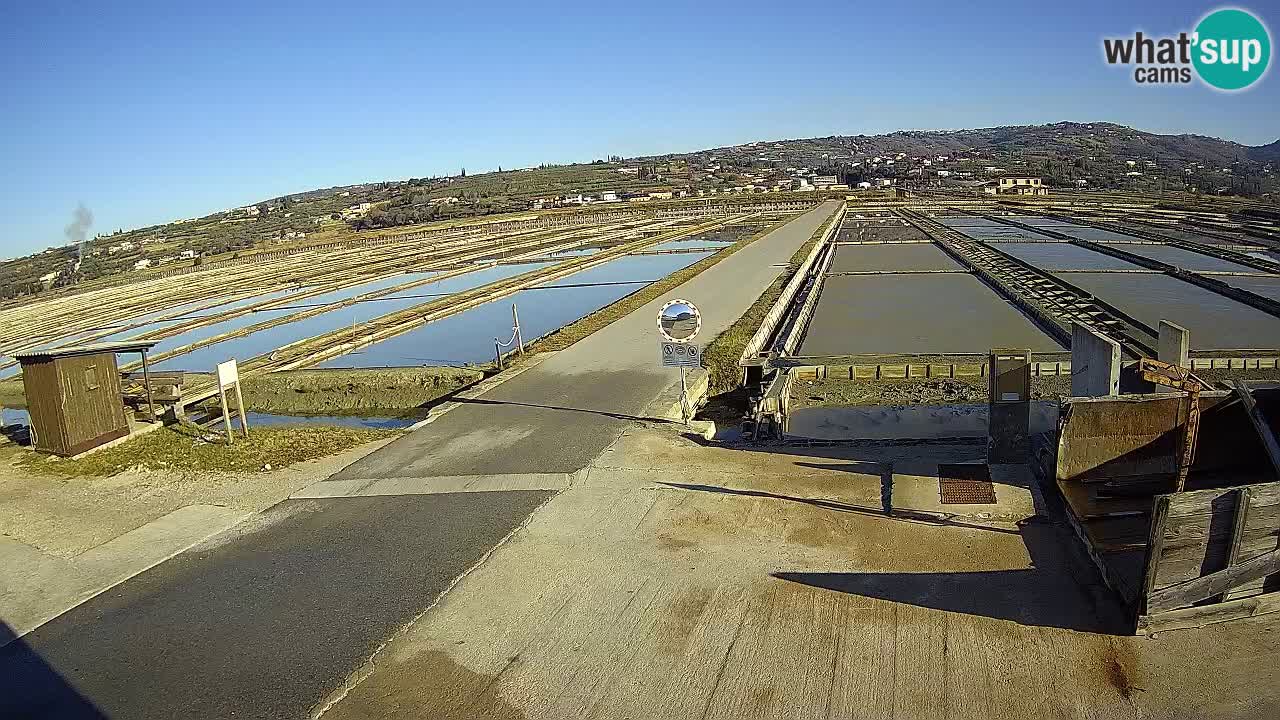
(146, 381)
(1259, 424)
(244, 422)
(515, 320)
(1155, 548)
(226, 415)
(1242, 496)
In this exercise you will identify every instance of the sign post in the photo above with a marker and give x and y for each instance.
(679, 322)
(228, 378)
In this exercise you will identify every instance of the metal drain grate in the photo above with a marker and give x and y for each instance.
(966, 485)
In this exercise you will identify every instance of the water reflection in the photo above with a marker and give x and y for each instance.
(467, 338)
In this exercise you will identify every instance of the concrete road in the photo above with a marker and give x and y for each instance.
(263, 621)
(557, 417)
(273, 616)
(772, 584)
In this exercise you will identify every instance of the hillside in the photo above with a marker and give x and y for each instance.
(1097, 155)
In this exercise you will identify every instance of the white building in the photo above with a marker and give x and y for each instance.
(142, 264)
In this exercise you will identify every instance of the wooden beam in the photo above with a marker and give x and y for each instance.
(1155, 547)
(1197, 589)
(1242, 497)
(1200, 616)
(1259, 424)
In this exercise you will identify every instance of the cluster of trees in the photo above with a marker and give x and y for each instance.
(395, 216)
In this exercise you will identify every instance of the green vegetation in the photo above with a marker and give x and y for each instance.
(189, 447)
(335, 392)
(328, 392)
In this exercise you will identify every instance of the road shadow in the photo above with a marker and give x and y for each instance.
(1048, 594)
(602, 413)
(31, 688)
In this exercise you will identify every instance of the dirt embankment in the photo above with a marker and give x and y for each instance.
(338, 391)
(916, 391)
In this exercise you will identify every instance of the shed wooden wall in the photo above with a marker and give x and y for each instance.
(94, 415)
(68, 414)
(44, 404)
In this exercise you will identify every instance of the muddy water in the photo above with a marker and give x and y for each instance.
(1185, 259)
(1064, 256)
(983, 229)
(934, 313)
(900, 257)
(1268, 287)
(1216, 322)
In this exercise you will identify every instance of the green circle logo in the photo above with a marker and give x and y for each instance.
(1232, 49)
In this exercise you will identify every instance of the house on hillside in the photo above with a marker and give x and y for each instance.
(1016, 185)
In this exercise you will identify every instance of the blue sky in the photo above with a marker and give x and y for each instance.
(150, 112)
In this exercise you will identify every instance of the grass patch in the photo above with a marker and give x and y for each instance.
(575, 331)
(319, 392)
(721, 356)
(189, 447)
(12, 394)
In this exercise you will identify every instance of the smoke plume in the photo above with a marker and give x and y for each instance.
(78, 230)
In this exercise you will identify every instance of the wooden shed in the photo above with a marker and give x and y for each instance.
(73, 396)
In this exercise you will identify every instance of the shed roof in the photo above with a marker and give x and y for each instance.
(113, 347)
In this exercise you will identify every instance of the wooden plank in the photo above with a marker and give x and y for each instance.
(1195, 617)
(1237, 530)
(1259, 424)
(1155, 548)
(1192, 591)
(1194, 502)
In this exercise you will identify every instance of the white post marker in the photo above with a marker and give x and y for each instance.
(229, 377)
(679, 322)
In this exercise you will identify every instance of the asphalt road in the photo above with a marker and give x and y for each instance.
(560, 415)
(260, 622)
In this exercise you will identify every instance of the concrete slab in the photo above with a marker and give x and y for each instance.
(892, 258)
(1216, 322)
(36, 587)
(771, 584)
(916, 314)
(915, 486)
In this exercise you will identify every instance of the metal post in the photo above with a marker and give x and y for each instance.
(684, 415)
(146, 380)
(515, 318)
(497, 353)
